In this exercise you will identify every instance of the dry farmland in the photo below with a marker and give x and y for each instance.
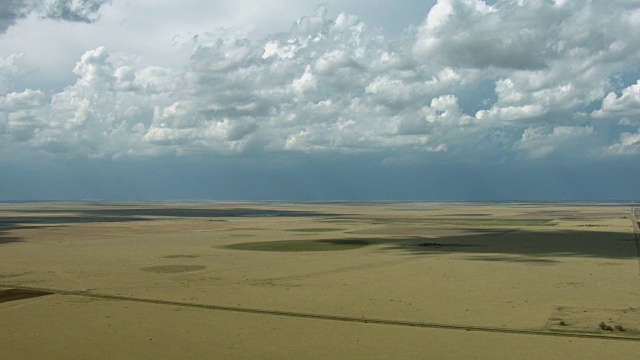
(271, 280)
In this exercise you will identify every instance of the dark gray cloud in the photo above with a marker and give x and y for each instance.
(74, 10)
(65, 10)
(11, 11)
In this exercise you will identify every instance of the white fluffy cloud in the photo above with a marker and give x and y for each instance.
(625, 107)
(629, 144)
(334, 84)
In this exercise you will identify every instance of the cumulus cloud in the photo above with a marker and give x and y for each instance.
(473, 81)
(474, 34)
(12, 67)
(629, 144)
(105, 113)
(625, 107)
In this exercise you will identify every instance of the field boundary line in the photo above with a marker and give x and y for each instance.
(363, 320)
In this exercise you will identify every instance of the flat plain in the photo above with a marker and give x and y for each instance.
(275, 280)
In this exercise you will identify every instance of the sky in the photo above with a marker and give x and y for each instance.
(311, 101)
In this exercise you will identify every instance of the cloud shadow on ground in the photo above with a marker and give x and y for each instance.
(529, 245)
(5, 238)
(138, 213)
(44, 218)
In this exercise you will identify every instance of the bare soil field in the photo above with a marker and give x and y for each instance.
(273, 280)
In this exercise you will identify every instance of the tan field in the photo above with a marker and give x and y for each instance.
(211, 280)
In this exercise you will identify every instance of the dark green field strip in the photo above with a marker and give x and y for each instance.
(446, 220)
(315, 230)
(302, 245)
(466, 214)
(500, 222)
(362, 320)
(181, 212)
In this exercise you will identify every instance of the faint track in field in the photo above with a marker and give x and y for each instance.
(362, 320)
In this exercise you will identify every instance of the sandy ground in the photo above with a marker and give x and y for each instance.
(453, 280)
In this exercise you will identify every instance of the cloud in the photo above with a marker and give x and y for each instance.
(74, 10)
(629, 144)
(541, 142)
(473, 82)
(26, 100)
(105, 113)
(11, 68)
(625, 107)
(66, 10)
(521, 35)
(11, 11)
(471, 33)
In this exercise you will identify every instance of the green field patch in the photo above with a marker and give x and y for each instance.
(387, 221)
(302, 245)
(470, 214)
(337, 220)
(313, 230)
(463, 220)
